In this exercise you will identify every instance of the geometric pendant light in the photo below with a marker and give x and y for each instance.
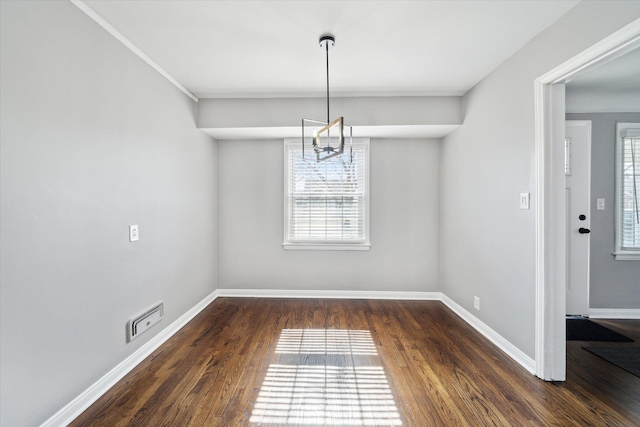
(328, 136)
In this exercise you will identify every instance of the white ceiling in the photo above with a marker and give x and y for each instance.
(270, 48)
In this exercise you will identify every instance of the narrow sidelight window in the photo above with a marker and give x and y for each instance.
(628, 191)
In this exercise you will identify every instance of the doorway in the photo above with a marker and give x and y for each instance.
(551, 216)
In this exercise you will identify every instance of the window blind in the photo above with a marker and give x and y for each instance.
(630, 232)
(326, 199)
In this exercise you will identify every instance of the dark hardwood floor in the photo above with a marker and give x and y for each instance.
(271, 362)
(585, 371)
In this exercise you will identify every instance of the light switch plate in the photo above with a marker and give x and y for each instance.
(133, 233)
(524, 200)
(600, 204)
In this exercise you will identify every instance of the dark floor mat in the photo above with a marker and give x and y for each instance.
(581, 329)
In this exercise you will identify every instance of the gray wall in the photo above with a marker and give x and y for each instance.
(404, 223)
(92, 140)
(487, 242)
(614, 284)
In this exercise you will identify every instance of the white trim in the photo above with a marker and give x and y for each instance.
(623, 130)
(541, 259)
(327, 247)
(122, 39)
(626, 256)
(614, 313)
(78, 405)
(329, 294)
(550, 233)
(498, 340)
(617, 44)
(601, 110)
(550, 213)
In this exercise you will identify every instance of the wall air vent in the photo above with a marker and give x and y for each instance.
(144, 321)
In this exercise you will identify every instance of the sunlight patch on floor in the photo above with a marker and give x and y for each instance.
(325, 341)
(324, 394)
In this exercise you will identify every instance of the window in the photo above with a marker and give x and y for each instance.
(327, 202)
(627, 191)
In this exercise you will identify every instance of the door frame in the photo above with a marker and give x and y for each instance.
(549, 99)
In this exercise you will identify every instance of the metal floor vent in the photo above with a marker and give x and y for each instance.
(144, 321)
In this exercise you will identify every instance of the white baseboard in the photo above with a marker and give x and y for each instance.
(74, 408)
(614, 313)
(512, 351)
(78, 405)
(283, 293)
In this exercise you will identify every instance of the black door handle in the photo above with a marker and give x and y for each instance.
(584, 230)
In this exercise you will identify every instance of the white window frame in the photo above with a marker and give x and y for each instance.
(620, 253)
(295, 143)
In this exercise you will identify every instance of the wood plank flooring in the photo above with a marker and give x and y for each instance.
(269, 362)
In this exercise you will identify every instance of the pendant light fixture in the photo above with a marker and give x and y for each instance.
(328, 136)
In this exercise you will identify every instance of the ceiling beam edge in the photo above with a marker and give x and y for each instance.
(122, 39)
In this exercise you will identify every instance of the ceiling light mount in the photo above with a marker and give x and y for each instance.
(328, 137)
(327, 41)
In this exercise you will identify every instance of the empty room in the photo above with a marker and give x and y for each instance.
(310, 213)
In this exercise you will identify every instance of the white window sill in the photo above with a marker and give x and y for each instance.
(627, 256)
(326, 246)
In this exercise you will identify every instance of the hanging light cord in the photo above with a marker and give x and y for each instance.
(326, 45)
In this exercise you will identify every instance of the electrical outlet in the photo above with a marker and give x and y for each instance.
(133, 233)
(600, 204)
(476, 303)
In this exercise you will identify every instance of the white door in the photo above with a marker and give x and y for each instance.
(578, 189)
